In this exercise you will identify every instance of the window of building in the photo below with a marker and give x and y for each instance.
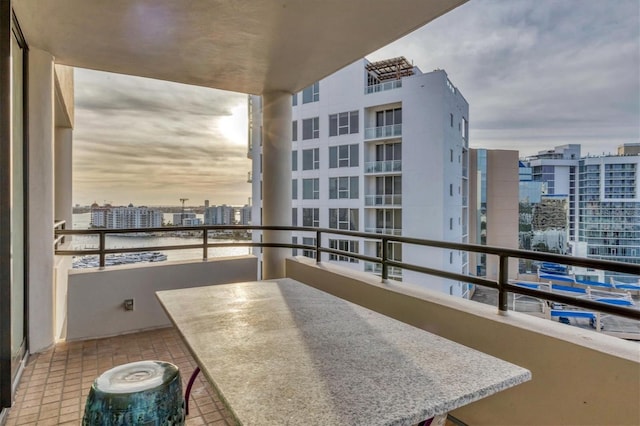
(294, 160)
(311, 189)
(343, 187)
(294, 240)
(343, 156)
(311, 128)
(389, 117)
(294, 130)
(309, 242)
(389, 152)
(451, 119)
(344, 219)
(294, 99)
(343, 123)
(350, 246)
(311, 217)
(294, 189)
(311, 93)
(389, 186)
(394, 251)
(450, 223)
(311, 159)
(451, 189)
(450, 257)
(451, 155)
(387, 219)
(465, 128)
(294, 216)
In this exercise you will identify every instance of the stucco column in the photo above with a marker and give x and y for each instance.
(276, 179)
(40, 198)
(63, 175)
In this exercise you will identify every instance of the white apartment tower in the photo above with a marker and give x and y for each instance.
(121, 217)
(609, 208)
(378, 147)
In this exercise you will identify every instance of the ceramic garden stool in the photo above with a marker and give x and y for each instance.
(139, 393)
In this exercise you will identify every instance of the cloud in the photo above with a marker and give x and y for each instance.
(538, 73)
(153, 142)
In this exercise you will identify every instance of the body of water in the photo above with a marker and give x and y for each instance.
(82, 242)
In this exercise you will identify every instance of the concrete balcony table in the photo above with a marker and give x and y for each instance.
(279, 352)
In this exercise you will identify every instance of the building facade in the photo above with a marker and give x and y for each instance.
(121, 217)
(219, 215)
(378, 147)
(558, 170)
(609, 208)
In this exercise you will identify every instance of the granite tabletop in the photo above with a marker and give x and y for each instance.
(282, 353)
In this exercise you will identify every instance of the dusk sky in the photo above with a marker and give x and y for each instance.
(536, 74)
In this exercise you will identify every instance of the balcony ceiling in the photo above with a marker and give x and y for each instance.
(240, 45)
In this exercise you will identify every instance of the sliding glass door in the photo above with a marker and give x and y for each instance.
(12, 204)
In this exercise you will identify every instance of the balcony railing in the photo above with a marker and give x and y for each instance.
(383, 200)
(382, 87)
(383, 131)
(502, 283)
(376, 268)
(386, 231)
(388, 166)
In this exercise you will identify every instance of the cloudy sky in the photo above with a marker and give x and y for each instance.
(536, 74)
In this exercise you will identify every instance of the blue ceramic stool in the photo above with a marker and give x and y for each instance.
(139, 393)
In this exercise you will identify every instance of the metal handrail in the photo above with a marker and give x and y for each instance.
(501, 284)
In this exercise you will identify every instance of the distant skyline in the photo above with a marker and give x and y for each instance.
(536, 74)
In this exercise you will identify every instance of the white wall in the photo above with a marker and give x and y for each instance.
(95, 297)
(40, 221)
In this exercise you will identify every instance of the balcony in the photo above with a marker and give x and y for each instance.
(383, 132)
(390, 166)
(376, 268)
(597, 361)
(386, 231)
(383, 87)
(383, 200)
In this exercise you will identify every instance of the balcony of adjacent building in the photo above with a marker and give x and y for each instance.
(387, 200)
(383, 122)
(383, 167)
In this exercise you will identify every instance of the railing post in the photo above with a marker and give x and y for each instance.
(102, 236)
(503, 277)
(205, 244)
(318, 244)
(385, 255)
(62, 226)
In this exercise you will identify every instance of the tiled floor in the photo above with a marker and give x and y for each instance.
(55, 383)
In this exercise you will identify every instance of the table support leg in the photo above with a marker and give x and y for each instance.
(188, 391)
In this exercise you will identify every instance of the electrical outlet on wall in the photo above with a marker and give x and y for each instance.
(128, 304)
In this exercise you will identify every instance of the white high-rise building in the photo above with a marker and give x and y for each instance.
(245, 214)
(219, 215)
(122, 217)
(378, 147)
(609, 208)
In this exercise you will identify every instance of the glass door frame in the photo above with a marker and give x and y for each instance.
(9, 368)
